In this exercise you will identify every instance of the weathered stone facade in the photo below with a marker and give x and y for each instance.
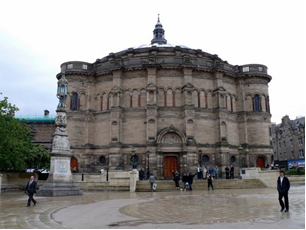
(184, 106)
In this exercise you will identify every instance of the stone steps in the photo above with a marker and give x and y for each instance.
(168, 185)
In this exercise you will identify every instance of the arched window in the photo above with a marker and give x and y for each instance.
(74, 103)
(233, 159)
(205, 159)
(257, 107)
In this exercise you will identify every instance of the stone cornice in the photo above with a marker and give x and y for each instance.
(164, 58)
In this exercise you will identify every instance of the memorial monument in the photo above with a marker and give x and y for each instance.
(59, 182)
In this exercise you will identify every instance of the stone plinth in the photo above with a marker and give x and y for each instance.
(59, 189)
(133, 180)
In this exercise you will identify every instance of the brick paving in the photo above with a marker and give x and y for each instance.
(232, 208)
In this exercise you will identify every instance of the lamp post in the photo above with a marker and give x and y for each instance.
(240, 149)
(60, 181)
(133, 157)
(200, 158)
(148, 169)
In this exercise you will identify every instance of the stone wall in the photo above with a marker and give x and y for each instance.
(117, 180)
(269, 177)
(16, 180)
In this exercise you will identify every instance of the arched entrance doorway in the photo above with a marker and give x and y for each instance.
(170, 164)
(171, 152)
(73, 164)
(260, 162)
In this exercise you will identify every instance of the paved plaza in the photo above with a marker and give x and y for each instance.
(232, 208)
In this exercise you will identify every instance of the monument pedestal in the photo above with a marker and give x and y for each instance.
(60, 181)
(59, 189)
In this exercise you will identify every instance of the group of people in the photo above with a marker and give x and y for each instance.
(202, 172)
(187, 180)
(229, 172)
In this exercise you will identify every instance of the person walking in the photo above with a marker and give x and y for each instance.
(232, 172)
(141, 174)
(283, 186)
(30, 190)
(199, 172)
(151, 181)
(190, 180)
(185, 181)
(176, 179)
(209, 182)
(216, 172)
(227, 173)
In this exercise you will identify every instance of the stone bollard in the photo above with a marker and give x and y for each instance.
(133, 180)
(0, 182)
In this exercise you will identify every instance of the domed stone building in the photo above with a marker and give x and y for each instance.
(162, 107)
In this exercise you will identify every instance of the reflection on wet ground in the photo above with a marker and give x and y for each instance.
(233, 208)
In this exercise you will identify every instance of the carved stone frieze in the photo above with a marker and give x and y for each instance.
(171, 139)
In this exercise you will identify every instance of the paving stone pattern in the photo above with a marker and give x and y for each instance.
(222, 208)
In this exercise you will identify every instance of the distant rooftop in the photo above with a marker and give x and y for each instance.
(48, 118)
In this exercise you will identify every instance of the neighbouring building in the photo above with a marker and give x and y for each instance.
(288, 140)
(162, 107)
(42, 128)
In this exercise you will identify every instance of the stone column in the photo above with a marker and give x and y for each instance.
(133, 180)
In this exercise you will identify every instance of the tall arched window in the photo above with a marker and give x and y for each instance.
(74, 102)
(257, 107)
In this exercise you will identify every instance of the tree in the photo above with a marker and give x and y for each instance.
(17, 151)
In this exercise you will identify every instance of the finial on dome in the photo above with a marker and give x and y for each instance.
(158, 33)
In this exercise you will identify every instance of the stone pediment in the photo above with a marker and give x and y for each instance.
(151, 86)
(220, 89)
(116, 89)
(188, 86)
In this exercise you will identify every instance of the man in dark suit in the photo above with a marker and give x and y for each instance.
(283, 186)
(30, 190)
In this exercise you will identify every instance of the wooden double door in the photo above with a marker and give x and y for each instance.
(170, 164)
(260, 162)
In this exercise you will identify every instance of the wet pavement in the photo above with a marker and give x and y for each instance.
(232, 208)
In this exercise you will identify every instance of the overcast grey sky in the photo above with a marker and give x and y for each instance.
(36, 37)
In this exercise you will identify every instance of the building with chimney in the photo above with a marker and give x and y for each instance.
(288, 139)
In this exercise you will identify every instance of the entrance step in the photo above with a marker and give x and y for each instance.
(168, 185)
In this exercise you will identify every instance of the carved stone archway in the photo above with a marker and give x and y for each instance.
(171, 143)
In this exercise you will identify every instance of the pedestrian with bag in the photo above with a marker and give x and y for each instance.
(190, 180)
(151, 181)
(176, 179)
(185, 181)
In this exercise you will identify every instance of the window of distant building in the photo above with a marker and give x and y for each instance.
(301, 151)
(74, 103)
(257, 107)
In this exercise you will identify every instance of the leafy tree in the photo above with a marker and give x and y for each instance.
(17, 151)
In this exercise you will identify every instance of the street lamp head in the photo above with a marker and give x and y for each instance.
(200, 151)
(62, 91)
(148, 152)
(133, 150)
(240, 148)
